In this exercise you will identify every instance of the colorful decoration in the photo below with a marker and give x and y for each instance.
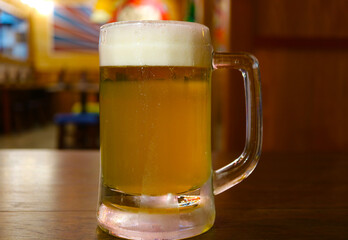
(141, 10)
(103, 10)
(191, 11)
(131, 10)
(13, 36)
(221, 20)
(73, 29)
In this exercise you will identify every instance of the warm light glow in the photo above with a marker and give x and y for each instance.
(43, 7)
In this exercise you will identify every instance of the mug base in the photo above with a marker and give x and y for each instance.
(158, 217)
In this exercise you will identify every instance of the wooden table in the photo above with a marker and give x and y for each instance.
(46, 194)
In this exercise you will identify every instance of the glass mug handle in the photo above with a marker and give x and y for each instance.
(240, 168)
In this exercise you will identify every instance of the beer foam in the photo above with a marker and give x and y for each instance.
(155, 43)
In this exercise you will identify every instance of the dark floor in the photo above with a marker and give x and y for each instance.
(43, 137)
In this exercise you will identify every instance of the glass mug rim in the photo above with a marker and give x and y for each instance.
(153, 22)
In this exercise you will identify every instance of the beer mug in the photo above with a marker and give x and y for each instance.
(156, 177)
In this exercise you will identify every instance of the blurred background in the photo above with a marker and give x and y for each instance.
(49, 69)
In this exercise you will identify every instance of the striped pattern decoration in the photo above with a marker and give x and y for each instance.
(73, 30)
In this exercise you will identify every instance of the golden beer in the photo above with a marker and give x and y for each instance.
(155, 128)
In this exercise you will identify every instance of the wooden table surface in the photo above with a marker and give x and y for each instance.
(51, 194)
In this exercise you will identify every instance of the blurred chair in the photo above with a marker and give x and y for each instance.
(80, 128)
(78, 131)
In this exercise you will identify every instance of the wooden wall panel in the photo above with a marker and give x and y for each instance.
(305, 100)
(302, 46)
(302, 18)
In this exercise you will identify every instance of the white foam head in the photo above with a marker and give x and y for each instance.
(155, 43)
